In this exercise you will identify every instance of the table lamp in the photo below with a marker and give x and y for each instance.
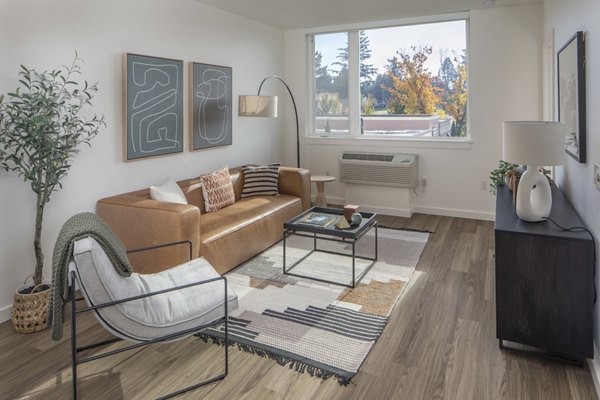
(534, 144)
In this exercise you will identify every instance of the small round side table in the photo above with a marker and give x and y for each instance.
(320, 200)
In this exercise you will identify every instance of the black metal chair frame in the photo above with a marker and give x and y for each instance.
(76, 311)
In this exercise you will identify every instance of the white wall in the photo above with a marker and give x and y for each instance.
(505, 84)
(575, 179)
(45, 34)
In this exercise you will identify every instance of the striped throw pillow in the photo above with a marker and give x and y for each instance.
(260, 180)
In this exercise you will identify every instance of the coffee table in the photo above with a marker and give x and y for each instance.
(296, 227)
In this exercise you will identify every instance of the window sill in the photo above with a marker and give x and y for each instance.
(374, 141)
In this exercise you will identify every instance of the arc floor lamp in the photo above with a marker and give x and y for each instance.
(266, 106)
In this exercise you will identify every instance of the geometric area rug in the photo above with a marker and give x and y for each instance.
(323, 329)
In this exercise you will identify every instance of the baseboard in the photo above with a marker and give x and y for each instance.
(399, 212)
(332, 200)
(595, 370)
(396, 212)
(5, 313)
(452, 212)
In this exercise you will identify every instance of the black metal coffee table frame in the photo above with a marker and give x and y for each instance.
(332, 234)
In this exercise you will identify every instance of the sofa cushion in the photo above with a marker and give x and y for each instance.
(240, 214)
(169, 191)
(260, 180)
(217, 190)
(153, 316)
(232, 236)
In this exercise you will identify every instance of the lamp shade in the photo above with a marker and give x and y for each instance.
(535, 143)
(257, 106)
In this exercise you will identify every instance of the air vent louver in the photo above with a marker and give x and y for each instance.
(379, 169)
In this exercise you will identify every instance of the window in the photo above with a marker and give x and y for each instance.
(331, 83)
(409, 81)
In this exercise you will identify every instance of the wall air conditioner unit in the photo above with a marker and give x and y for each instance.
(379, 169)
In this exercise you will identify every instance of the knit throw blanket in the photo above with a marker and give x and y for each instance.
(81, 225)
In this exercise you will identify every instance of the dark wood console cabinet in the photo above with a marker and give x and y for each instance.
(544, 279)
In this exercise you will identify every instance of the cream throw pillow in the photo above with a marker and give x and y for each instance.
(169, 192)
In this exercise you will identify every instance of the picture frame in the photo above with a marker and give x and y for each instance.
(153, 106)
(211, 106)
(571, 95)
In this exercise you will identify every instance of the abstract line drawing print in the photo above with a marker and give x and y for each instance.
(212, 105)
(212, 93)
(155, 106)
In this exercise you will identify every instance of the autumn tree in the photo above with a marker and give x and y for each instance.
(456, 103)
(412, 83)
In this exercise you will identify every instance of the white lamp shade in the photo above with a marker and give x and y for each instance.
(257, 106)
(535, 143)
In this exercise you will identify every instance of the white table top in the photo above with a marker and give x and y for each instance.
(322, 178)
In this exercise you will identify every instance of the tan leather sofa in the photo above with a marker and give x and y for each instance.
(226, 237)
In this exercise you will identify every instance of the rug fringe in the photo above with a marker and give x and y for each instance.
(298, 366)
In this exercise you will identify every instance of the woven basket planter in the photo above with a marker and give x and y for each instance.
(29, 313)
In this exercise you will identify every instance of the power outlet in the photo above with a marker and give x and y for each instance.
(597, 176)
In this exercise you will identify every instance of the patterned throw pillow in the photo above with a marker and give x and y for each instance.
(217, 190)
(260, 180)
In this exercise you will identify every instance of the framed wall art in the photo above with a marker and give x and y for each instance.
(211, 106)
(153, 106)
(571, 95)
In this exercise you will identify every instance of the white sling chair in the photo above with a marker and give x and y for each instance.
(146, 309)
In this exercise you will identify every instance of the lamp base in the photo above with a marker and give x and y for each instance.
(534, 197)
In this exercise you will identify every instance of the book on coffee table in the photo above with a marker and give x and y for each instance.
(318, 219)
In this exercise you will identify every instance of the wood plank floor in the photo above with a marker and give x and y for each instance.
(440, 343)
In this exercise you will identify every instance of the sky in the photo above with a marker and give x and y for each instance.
(444, 37)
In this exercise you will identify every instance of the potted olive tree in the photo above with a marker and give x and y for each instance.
(41, 126)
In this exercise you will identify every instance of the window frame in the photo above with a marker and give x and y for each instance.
(354, 113)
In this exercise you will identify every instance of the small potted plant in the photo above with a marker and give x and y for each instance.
(41, 126)
(500, 175)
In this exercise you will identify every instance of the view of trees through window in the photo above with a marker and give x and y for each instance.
(331, 82)
(413, 80)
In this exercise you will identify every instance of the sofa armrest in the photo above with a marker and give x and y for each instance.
(295, 181)
(142, 222)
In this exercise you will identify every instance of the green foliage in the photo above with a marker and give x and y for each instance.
(367, 105)
(498, 175)
(41, 127)
(328, 105)
(455, 101)
(447, 73)
(394, 106)
(408, 87)
(323, 79)
(366, 70)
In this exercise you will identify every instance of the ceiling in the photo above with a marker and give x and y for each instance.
(290, 14)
